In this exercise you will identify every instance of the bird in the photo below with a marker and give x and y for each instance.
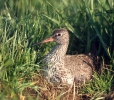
(61, 68)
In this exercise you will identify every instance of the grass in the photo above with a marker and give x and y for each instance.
(23, 23)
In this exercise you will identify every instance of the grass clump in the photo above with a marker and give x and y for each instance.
(99, 86)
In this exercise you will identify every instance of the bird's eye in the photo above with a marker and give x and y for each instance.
(59, 34)
(56, 35)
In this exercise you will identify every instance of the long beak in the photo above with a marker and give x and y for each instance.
(45, 41)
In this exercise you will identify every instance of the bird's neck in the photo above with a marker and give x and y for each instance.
(59, 50)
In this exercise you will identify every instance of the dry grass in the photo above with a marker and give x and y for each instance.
(47, 91)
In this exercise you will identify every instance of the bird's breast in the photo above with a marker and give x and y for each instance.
(56, 71)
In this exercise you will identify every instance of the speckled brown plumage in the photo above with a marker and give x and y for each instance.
(65, 69)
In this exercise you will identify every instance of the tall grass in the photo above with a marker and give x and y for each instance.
(25, 22)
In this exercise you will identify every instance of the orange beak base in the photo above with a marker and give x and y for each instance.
(45, 41)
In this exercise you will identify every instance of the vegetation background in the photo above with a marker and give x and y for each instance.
(25, 22)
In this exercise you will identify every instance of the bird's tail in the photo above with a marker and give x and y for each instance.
(94, 55)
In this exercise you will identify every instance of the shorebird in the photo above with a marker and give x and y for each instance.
(62, 68)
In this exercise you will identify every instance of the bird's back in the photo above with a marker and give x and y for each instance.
(80, 66)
